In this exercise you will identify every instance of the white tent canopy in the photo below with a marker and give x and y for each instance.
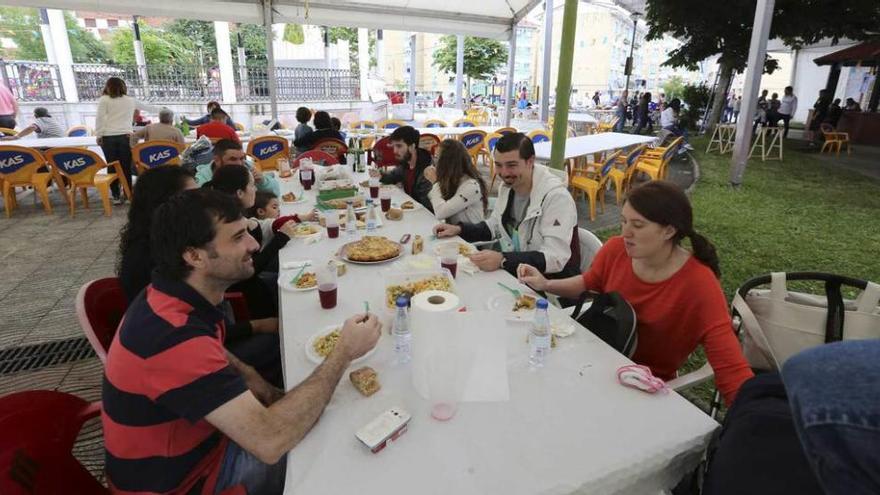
(485, 18)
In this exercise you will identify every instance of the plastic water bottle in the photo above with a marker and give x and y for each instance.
(371, 217)
(351, 228)
(539, 339)
(402, 334)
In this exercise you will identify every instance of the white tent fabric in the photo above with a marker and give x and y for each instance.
(485, 18)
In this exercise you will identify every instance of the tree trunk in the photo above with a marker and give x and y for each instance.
(725, 74)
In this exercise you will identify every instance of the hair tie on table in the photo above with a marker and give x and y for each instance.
(640, 377)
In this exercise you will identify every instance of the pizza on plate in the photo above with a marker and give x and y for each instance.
(372, 248)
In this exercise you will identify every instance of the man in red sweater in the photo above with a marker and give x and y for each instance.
(217, 128)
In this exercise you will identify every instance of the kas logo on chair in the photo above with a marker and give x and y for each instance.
(268, 150)
(154, 156)
(73, 163)
(11, 161)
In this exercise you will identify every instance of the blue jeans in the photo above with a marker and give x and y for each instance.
(678, 131)
(835, 401)
(241, 468)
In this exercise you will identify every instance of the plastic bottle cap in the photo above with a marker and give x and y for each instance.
(542, 304)
(402, 301)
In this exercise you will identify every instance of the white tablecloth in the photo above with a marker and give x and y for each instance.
(90, 141)
(593, 143)
(582, 117)
(568, 428)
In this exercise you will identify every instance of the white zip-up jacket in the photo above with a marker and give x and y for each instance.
(545, 232)
(465, 206)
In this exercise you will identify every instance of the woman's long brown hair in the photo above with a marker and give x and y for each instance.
(453, 164)
(115, 87)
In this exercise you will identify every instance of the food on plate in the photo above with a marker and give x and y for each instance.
(410, 289)
(465, 249)
(288, 198)
(340, 268)
(408, 205)
(394, 214)
(525, 302)
(306, 281)
(305, 229)
(418, 244)
(325, 344)
(365, 380)
(372, 248)
(342, 203)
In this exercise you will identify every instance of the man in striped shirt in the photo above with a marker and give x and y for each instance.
(44, 125)
(181, 415)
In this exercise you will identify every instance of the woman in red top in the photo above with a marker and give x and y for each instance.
(675, 292)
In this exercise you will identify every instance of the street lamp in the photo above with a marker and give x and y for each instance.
(629, 60)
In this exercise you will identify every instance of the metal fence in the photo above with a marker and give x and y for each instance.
(297, 84)
(152, 82)
(32, 81)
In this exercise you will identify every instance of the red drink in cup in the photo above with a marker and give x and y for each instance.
(374, 187)
(332, 222)
(327, 293)
(451, 266)
(449, 256)
(306, 178)
(333, 232)
(385, 198)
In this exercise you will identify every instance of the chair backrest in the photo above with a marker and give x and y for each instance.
(39, 429)
(383, 153)
(7, 131)
(672, 148)
(492, 140)
(473, 141)
(539, 136)
(633, 156)
(464, 123)
(435, 123)
(363, 124)
(317, 156)
(100, 306)
(77, 164)
(429, 142)
(239, 127)
(590, 245)
(77, 131)
(18, 163)
(506, 130)
(391, 124)
(608, 164)
(266, 151)
(332, 146)
(826, 128)
(151, 154)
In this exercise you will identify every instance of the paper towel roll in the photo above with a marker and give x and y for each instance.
(429, 328)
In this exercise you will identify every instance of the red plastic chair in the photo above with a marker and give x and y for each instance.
(101, 304)
(39, 429)
(317, 157)
(333, 147)
(382, 154)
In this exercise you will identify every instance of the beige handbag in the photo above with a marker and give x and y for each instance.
(778, 323)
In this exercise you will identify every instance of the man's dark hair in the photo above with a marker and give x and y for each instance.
(224, 145)
(41, 112)
(516, 141)
(217, 113)
(187, 220)
(408, 134)
(337, 124)
(303, 115)
(322, 120)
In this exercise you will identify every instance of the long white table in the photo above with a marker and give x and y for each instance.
(583, 118)
(91, 141)
(568, 428)
(593, 143)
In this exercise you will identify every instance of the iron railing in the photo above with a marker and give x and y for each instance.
(32, 81)
(297, 84)
(152, 82)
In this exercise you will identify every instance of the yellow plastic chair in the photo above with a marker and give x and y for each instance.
(506, 130)
(464, 123)
(239, 127)
(19, 168)
(8, 132)
(78, 131)
(81, 167)
(433, 123)
(363, 124)
(592, 183)
(834, 140)
(491, 141)
(152, 154)
(624, 167)
(267, 150)
(607, 126)
(475, 143)
(539, 136)
(391, 124)
(655, 167)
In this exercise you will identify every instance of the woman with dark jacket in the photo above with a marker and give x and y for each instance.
(323, 130)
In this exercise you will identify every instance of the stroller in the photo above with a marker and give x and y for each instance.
(199, 153)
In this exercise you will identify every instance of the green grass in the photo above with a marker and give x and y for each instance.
(797, 215)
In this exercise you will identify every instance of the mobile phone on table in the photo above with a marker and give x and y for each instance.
(386, 428)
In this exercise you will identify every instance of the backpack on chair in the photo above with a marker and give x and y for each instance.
(610, 318)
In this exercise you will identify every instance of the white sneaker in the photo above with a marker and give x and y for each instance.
(688, 147)
(118, 201)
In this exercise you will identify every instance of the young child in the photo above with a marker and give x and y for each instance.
(303, 116)
(266, 206)
(337, 126)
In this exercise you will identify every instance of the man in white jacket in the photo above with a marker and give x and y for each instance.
(534, 220)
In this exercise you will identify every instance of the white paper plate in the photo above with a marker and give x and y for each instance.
(344, 254)
(502, 302)
(300, 198)
(308, 236)
(442, 243)
(317, 359)
(285, 277)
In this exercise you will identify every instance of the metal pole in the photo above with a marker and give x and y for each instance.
(563, 85)
(548, 53)
(380, 54)
(757, 52)
(509, 104)
(139, 57)
(46, 33)
(224, 60)
(270, 58)
(632, 47)
(61, 43)
(364, 62)
(459, 72)
(412, 73)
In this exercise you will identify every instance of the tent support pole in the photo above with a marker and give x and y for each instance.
(563, 85)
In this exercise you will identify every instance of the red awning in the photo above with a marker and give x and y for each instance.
(865, 54)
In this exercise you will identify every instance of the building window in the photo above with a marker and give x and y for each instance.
(91, 23)
(112, 23)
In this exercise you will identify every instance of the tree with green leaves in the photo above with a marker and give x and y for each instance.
(673, 87)
(350, 35)
(482, 57)
(725, 31)
(160, 47)
(22, 26)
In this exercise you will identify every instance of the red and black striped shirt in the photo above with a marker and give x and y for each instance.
(165, 371)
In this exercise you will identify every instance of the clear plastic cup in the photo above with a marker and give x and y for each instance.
(449, 256)
(331, 220)
(327, 289)
(385, 198)
(444, 390)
